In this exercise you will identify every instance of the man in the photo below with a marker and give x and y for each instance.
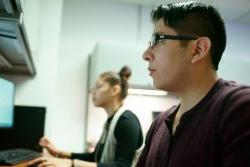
(211, 125)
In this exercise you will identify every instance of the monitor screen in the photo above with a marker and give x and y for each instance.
(6, 103)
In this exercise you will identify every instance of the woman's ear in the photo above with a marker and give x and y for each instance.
(116, 89)
(201, 48)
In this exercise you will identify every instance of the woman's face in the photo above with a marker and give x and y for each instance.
(101, 93)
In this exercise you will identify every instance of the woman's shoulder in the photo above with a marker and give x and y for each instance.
(129, 123)
(128, 118)
(128, 114)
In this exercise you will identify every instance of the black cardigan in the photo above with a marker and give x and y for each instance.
(129, 137)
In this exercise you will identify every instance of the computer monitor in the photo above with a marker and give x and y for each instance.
(29, 126)
(7, 90)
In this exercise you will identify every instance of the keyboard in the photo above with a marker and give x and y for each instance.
(15, 156)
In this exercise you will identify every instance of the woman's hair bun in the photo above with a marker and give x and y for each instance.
(125, 72)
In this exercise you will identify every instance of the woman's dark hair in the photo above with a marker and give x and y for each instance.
(121, 78)
(195, 19)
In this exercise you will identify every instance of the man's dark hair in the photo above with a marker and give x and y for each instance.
(195, 19)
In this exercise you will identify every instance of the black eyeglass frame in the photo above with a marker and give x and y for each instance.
(156, 38)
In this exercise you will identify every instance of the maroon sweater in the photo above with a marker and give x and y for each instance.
(214, 133)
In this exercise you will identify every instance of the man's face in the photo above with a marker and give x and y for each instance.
(168, 60)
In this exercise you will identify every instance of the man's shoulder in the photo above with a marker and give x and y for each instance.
(230, 84)
(232, 89)
(232, 98)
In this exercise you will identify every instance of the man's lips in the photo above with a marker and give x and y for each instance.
(151, 71)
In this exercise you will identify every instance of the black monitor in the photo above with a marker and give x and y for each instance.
(29, 126)
(7, 91)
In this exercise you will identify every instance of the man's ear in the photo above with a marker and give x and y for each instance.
(201, 48)
(116, 89)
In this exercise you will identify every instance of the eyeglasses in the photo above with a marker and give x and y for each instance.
(157, 38)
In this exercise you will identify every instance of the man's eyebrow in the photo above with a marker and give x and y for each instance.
(158, 33)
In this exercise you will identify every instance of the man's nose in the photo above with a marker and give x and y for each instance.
(147, 55)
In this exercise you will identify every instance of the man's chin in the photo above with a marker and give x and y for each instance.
(157, 85)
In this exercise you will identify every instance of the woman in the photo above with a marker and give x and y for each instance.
(122, 134)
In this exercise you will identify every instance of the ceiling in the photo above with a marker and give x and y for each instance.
(232, 10)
